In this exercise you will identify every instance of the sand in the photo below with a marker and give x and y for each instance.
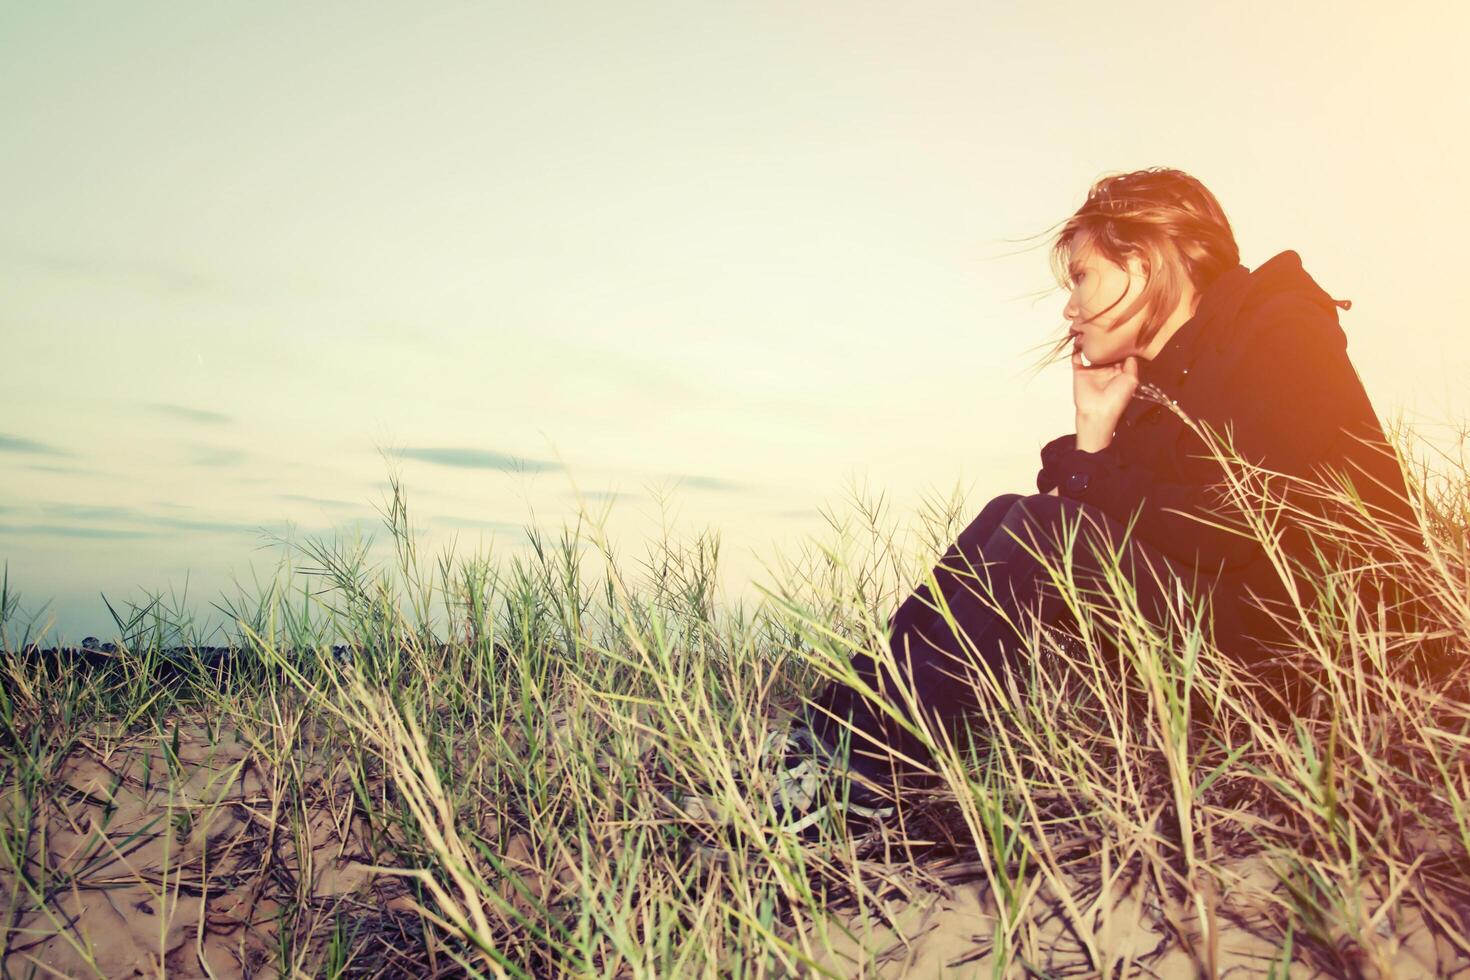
(150, 875)
(951, 932)
(184, 855)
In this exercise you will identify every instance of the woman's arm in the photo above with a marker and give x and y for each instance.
(1100, 394)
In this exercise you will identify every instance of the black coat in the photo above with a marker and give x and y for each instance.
(1264, 360)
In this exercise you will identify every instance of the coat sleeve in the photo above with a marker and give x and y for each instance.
(1051, 455)
(1288, 380)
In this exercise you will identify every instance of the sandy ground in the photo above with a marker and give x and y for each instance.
(148, 874)
(185, 862)
(952, 933)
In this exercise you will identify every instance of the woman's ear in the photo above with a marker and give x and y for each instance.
(1135, 264)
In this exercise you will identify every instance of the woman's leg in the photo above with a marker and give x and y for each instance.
(843, 701)
(990, 585)
(920, 604)
(1011, 577)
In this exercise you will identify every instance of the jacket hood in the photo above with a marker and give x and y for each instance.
(1228, 303)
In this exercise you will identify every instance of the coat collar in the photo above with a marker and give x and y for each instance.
(1223, 303)
(1219, 302)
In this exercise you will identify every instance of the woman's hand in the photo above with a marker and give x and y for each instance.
(1101, 393)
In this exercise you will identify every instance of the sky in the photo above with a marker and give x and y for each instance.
(712, 266)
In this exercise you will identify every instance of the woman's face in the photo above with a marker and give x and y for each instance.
(1100, 285)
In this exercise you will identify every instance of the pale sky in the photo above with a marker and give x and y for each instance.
(751, 253)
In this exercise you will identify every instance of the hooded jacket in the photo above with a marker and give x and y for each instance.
(1263, 364)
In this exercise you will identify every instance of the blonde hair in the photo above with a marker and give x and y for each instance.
(1165, 218)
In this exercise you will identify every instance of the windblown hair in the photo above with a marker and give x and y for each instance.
(1169, 221)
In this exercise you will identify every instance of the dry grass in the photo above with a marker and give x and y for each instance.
(470, 790)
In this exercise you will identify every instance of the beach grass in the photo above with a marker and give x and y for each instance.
(453, 766)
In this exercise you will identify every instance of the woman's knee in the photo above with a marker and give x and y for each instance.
(986, 521)
(1029, 517)
(1050, 522)
(957, 561)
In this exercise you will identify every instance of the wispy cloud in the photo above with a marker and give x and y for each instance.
(318, 501)
(70, 470)
(200, 415)
(713, 483)
(17, 444)
(480, 459)
(213, 527)
(90, 512)
(153, 274)
(69, 531)
(154, 524)
(213, 456)
(504, 527)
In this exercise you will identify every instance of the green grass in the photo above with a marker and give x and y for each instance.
(472, 791)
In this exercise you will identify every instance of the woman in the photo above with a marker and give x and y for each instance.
(1162, 316)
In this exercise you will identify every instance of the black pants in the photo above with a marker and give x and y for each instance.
(988, 578)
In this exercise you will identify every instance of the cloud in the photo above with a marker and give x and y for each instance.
(213, 527)
(152, 274)
(319, 501)
(214, 456)
(59, 530)
(191, 414)
(155, 524)
(291, 530)
(89, 512)
(16, 444)
(481, 459)
(713, 483)
(505, 527)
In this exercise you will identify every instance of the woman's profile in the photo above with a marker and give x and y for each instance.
(1165, 325)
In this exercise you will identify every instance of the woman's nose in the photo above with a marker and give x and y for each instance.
(1070, 311)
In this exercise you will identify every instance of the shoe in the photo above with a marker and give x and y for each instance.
(805, 782)
(809, 766)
